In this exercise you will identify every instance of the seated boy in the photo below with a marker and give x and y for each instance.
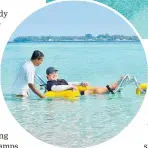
(55, 84)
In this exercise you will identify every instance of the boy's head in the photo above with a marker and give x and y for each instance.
(52, 73)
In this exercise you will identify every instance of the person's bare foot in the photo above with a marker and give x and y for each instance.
(114, 86)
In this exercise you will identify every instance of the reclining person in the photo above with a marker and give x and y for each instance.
(55, 84)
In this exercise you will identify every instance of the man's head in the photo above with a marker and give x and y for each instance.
(37, 57)
(52, 73)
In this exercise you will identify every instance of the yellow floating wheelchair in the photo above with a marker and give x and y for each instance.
(75, 95)
(141, 88)
(67, 94)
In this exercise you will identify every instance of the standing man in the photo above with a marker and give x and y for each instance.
(25, 76)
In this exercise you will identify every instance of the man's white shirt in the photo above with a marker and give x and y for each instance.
(24, 77)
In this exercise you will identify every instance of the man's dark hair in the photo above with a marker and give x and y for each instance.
(37, 55)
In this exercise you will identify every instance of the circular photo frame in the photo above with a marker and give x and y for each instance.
(78, 73)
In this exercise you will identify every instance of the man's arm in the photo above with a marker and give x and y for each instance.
(35, 90)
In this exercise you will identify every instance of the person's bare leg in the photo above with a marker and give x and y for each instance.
(103, 90)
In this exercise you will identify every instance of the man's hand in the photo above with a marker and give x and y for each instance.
(43, 96)
(36, 91)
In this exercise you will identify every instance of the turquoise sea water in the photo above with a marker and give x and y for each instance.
(92, 119)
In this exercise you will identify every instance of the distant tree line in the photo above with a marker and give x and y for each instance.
(87, 37)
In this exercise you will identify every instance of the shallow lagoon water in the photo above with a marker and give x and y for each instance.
(92, 119)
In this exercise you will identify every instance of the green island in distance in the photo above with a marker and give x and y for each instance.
(85, 38)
